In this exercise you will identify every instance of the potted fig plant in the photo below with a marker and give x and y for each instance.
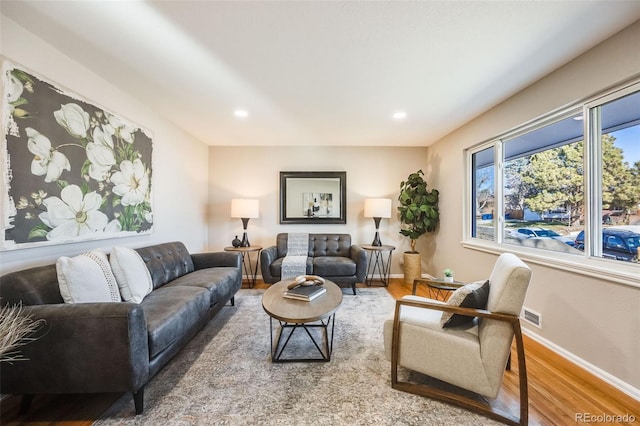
(419, 214)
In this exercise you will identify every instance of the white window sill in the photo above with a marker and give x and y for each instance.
(625, 273)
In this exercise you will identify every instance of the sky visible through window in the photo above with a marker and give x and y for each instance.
(629, 141)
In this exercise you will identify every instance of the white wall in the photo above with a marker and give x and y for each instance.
(597, 322)
(180, 163)
(254, 172)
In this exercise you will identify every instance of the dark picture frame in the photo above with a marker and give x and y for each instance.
(313, 197)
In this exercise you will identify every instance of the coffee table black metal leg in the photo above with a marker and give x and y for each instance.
(278, 349)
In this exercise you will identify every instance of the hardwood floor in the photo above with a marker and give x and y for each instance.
(558, 392)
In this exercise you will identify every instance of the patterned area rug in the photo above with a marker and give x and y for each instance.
(225, 376)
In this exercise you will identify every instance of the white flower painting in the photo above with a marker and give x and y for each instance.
(73, 170)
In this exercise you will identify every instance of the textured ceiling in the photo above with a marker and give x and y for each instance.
(322, 73)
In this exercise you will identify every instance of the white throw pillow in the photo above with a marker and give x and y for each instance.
(87, 278)
(131, 273)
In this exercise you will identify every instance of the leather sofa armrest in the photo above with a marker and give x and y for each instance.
(216, 259)
(81, 348)
(359, 255)
(267, 257)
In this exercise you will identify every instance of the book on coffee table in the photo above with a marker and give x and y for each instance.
(305, 292)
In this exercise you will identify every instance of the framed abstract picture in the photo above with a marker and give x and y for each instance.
(313, 197)
(71, 170)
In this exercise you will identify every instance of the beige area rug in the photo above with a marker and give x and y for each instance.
(225, 376)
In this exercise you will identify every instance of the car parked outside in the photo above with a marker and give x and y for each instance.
(619, 244)
(533, 232)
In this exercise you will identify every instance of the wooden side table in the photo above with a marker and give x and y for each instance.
(437, 287)
(250, 269)
(378, 262)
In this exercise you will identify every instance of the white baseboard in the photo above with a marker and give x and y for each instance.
(622, 386)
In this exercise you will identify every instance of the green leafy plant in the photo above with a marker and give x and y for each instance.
(448, 272)
(418, 209)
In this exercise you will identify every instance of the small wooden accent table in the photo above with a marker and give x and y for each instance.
(299, 314)
(437, 287)
(250, 270)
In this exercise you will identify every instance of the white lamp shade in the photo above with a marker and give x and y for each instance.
(377, 207)
(244, 208)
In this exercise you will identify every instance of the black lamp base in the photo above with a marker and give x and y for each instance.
(245, 239)
(376, 239)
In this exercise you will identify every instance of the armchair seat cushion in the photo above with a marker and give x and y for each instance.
(172, 312)
(328, 266)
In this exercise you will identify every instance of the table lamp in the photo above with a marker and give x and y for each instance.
(377, 208)
(245, 210)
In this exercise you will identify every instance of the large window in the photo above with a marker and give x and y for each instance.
(567, 184)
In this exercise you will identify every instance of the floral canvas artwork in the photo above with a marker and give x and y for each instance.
(72, 171)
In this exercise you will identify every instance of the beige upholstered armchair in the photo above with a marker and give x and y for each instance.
(472, 356)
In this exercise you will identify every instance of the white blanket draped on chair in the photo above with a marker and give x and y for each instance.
(295, 262)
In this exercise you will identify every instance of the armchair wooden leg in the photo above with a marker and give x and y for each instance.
(522, 375)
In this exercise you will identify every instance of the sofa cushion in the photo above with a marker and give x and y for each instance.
(319, 245)
(166, 262)
(329, 266)
(87, 278)
(330, 245)
(172, 312)
(276, 267)
(221, 282)
(132, 275)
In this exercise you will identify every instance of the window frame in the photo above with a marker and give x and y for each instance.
(589, 264)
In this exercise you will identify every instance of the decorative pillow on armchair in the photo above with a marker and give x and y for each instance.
(473, 295)
(87, 278)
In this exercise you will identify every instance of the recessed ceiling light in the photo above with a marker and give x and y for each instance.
(399, 115)
(241, 113)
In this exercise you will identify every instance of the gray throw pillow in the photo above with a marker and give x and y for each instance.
(473, 295)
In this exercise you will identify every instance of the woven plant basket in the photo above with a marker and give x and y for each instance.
(412, 267)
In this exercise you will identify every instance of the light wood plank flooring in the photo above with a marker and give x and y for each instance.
(558, 390)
